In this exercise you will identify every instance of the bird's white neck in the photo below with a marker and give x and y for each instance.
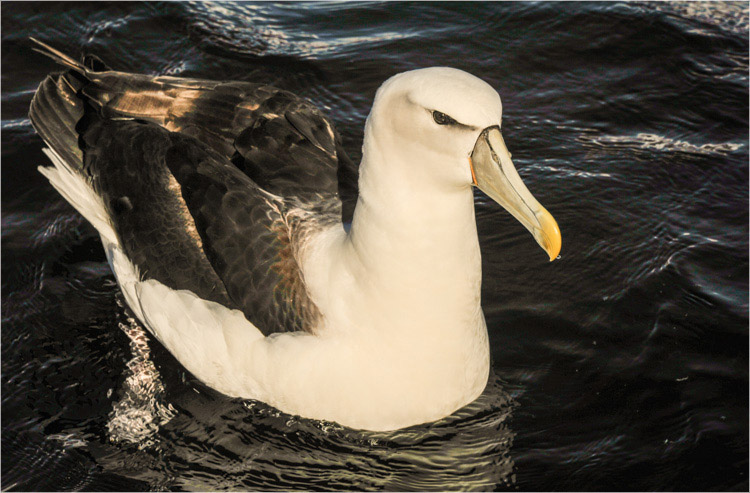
(412, 255)
(414, 233)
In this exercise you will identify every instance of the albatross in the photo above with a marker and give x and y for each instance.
(222, 206)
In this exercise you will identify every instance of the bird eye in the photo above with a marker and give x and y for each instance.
(442, 118)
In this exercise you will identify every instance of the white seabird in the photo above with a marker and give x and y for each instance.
(219, 206)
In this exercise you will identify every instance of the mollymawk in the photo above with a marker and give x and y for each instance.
(220, 206)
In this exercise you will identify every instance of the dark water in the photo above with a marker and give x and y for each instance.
(624, 365)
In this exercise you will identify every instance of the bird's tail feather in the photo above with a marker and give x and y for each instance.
(55, 111)
(59, 103)
(58, 56)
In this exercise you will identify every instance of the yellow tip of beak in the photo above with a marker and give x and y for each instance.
(551, 237)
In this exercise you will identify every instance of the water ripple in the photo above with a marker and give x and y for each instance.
(621, 365)
(657, 143)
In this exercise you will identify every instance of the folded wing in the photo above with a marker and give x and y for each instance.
(211, 186)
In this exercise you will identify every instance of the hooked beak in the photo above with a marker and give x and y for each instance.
(494, 174)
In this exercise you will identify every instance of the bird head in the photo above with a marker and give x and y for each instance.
(446, 124)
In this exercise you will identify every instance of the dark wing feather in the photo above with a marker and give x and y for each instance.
(126, 165)
(190, 199)
(248, 237)
(190, 219)
(271, 134)
(283, 142)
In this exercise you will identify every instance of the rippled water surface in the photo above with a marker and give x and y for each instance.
(623, 365)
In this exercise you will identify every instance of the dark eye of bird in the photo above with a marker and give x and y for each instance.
(442, 118)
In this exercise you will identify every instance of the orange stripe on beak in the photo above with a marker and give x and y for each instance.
(473, 176)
